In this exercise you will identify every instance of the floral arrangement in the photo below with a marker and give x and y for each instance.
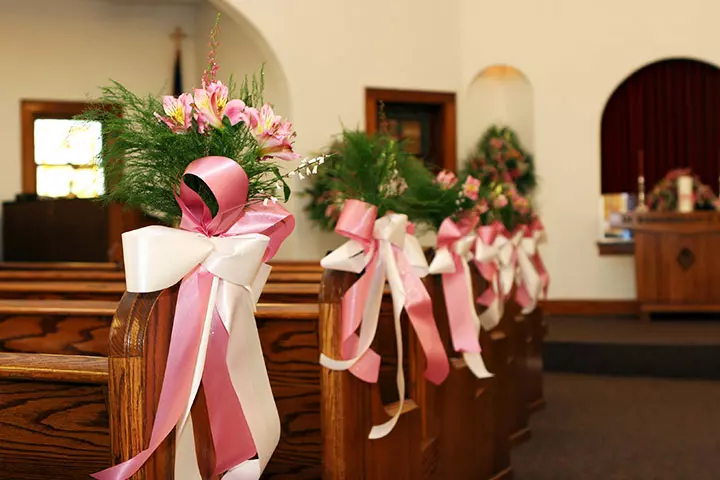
(499, 157)
(203, 162)
(664, 195)
(509, 207)
(150, 142)
(371, 168)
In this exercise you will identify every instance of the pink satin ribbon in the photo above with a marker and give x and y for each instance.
(488, 269)
(458, 295)
(230, 434)
(357, 222)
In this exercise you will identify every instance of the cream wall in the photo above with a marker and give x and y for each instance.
(573, 52)
(64, 50)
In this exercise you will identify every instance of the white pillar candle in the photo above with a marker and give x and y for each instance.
(686, 202)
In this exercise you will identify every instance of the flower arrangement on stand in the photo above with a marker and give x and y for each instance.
(664, 195)
(204, 163)
(500, 158)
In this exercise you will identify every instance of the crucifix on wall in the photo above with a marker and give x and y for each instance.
(177, 37)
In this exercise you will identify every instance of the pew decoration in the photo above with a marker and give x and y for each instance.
(500, 158)
(681, 190)
(507, 255)
(211, 157)
(374, 175)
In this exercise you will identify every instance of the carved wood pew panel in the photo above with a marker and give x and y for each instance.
(350, 407)
(53, 416)
(538, 328)
(460, 415)
(512, 354)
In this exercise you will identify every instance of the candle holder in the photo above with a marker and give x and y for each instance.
(641, 207)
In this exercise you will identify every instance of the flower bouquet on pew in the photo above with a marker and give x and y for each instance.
(373, 175)
(454, 210)
(204, 162)
(512, 257)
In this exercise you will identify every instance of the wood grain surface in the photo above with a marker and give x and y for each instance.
(55, 326)
(61, 368)
(52, 430)
(65, 266)
(63, 290)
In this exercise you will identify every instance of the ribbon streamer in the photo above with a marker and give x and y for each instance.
(495, 260)
(533, 278)
(454, 245)
(220, 263)
(385, 250)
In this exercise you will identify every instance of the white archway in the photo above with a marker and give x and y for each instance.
(501, 94)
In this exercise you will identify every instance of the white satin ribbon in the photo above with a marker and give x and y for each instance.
(500, 254)
(159, 257)
(527, 273)
(443, 262)
(350, 257)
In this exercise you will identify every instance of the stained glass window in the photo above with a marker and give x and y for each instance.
(66, 158)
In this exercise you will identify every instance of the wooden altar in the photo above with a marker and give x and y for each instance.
(677, 261)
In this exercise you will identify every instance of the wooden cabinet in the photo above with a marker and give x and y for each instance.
(677, 261)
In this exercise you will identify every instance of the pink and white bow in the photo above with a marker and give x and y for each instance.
(533, 278)
(454, 250)
(221, 263)
(495, 258)
(386, 251)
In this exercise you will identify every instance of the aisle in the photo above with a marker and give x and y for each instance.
(615, 428)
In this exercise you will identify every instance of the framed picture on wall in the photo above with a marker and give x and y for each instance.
(425, 121)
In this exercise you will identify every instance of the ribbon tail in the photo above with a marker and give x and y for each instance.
(418, 305)
(361, 305)
(183, 356)
(246, 367)
(476, 364)
(398, 296)
(490, 318)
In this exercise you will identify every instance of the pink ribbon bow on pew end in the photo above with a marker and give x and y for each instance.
(214, 341)
(533, 277)
(454, 250)
(386, 250)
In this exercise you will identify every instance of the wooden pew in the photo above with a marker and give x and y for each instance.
(62, 290)
(53, 416)
(539, 330)
(72, 275)
(461, 423)
(105, 266)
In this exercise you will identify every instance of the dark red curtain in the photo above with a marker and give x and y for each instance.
(671, 111)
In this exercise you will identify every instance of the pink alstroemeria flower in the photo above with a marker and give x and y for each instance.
(212, 106)
(274, 135)
(471, 188)
(446, 179)
(500, 201)
(178, 111)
